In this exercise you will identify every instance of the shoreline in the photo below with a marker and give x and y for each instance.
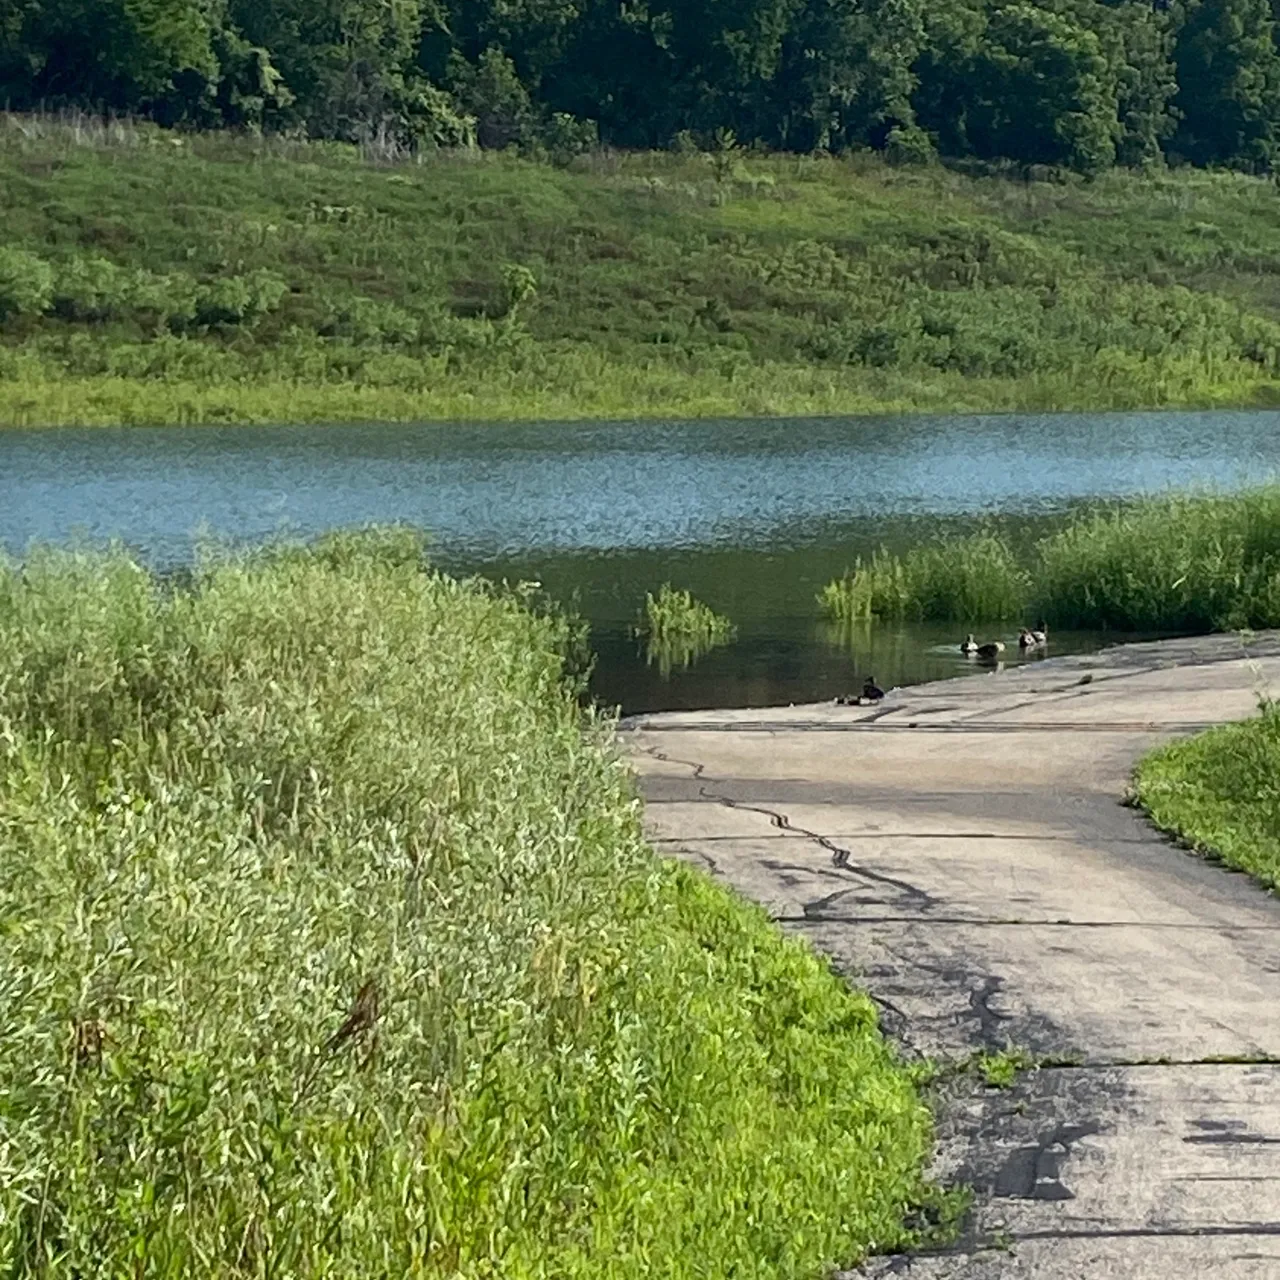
(139, 403)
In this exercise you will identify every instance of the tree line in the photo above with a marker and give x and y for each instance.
(1082, 84)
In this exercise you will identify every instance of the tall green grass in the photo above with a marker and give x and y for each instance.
(1173, 563)
(330, 946)
(1177, 562)
(977, 577)
(1220, 793)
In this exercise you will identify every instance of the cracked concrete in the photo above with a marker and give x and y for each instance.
(962, 852)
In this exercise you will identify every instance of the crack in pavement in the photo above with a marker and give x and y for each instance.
(841, 857)
(988, 922)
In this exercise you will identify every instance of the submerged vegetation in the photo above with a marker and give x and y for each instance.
(1220, 793)
(329, 944)
(678, 630)
(1179, 562)
(159, 277)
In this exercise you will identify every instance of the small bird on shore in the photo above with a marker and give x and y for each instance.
(871, 691)
(969, 646)
(991, 650)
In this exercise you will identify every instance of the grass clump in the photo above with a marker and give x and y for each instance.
(329, 944)
(678, 630)
(1219, 792)
(975, 578)
(674, 614)
(1172, 563)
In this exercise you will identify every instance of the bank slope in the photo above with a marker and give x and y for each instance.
(154, 277)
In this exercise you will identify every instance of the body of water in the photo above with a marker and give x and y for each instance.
(752, 516)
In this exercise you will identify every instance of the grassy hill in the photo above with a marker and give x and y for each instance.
(153, 277)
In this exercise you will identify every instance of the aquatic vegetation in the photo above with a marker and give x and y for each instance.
(678, 630)
(1176, 562)
(1219, 792)
(975, 578)
(675, 615)
(213, 278)
(330, 945)
(1179, 562)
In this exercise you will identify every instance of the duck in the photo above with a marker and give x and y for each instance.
(969, 646)
(1033, 638)
(871, 692)
(991, 650)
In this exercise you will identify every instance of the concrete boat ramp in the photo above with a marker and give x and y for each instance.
(962, 851)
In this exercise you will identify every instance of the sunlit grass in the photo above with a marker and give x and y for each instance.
(194, 278)
(1219, 792)
(1181, 562)
(1177, 562)
(330, 945)
(673, 614)
(974, 578)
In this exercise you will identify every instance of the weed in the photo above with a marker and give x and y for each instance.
(999, 1070)
(329, 944)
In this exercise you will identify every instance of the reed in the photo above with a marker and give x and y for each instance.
(1175, 562)
(675, 615)
(976, 578)
(330, 945)
(1178, 562)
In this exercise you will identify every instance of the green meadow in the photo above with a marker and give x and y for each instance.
(157, 277)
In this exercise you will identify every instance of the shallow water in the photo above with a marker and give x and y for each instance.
(752, 516)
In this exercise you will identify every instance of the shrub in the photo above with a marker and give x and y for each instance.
(909, 145)
(364, 320)
(519, 284)
(26, 283)
(91, 289)
(163, 300)
(239, 300)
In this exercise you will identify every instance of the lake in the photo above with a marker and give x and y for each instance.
(752, 516)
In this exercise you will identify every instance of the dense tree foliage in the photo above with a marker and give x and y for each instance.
(1084, 84)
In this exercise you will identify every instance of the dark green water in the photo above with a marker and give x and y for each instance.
(751, 516)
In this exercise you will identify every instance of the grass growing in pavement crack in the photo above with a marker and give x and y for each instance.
(1219, 793)
(330, 945)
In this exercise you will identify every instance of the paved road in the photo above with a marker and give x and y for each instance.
(963, 853)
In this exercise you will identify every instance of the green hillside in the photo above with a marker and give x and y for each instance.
(148, 276)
